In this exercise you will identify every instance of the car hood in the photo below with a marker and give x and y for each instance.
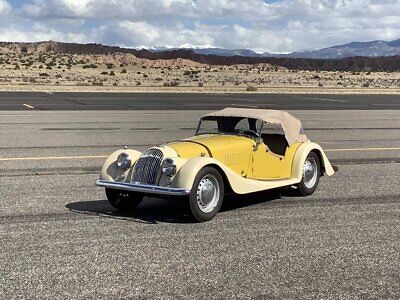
(210, 145)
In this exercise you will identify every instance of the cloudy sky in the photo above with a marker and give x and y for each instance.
(260, 25)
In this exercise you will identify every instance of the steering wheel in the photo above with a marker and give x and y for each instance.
(251, 132)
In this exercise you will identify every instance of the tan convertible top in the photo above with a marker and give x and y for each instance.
(290, 125)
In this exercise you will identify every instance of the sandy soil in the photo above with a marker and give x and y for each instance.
(126, 73)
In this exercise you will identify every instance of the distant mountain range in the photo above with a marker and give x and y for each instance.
(365, 49)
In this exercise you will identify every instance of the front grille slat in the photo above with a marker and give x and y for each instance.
(147, 166)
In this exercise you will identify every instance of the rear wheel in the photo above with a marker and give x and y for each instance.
(207, 194)
(122, 200)
(311, 174)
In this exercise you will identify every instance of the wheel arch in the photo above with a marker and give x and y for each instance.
(321, 160)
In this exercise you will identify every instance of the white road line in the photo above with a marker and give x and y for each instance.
(28, 106)
(325, 99)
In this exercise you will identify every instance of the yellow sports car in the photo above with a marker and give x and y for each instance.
(234, 149)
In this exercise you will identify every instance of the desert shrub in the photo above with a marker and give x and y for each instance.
(112, 73)
(104, 73)
(187, 73)
(365, 84)
(145, 76)
(171, 84)
(138, 83)
(44, 75)
(115, 84)
(200, 84)
(91, 66)
(58, 76)
(251, 88)
(320, 84)
(110, 66)
(97, 83)
(158, 79)
(123, 71)
(49, 68)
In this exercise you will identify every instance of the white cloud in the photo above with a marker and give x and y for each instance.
(40, 33)
(5, 7)
(280, 26)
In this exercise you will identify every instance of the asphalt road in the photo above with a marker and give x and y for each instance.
(196, 101)
(60, 239)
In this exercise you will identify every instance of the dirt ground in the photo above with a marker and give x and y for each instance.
(126, 73)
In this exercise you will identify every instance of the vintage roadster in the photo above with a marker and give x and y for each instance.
(237, 150)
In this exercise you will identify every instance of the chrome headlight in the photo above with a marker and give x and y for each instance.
(169, 167)
(124, 161)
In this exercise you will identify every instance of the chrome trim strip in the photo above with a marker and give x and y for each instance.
(144, 188)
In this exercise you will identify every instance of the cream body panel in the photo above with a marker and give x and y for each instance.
(186, 175)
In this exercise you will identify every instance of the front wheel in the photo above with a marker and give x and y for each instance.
(311, 174)
(122, 200)
(207, 194)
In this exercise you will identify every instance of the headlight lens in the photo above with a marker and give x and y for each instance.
(169, 167)
(124, 161)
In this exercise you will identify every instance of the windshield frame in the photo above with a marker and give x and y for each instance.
(228, 133)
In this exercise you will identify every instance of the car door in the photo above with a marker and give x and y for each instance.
(272, 158)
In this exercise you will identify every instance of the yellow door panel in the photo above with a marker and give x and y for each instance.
(267, 165)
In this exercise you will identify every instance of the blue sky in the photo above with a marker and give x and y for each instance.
(260, 25)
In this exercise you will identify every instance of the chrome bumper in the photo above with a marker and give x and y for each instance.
(144, 188)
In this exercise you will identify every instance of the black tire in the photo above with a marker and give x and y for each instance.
(308, 185)
(124, 201)
(201, 209)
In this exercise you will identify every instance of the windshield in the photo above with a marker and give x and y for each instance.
(229, 125)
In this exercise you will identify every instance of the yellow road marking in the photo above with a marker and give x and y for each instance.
(28, 106)
(53, 157)
(363, 149)
(105, 156)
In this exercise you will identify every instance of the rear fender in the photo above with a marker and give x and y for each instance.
(301, 155)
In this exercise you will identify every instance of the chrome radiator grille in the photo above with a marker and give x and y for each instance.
(147, 167)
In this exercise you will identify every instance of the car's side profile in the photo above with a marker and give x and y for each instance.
(240, 150)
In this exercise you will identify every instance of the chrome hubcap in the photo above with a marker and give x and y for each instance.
(310, 172)
(207, 193)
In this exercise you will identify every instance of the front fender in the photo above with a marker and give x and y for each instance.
(187, 173)
(110, 170)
